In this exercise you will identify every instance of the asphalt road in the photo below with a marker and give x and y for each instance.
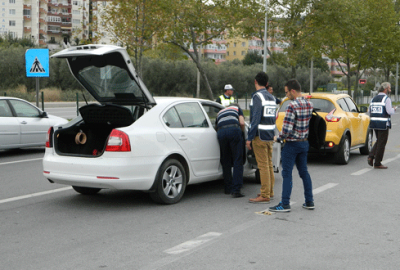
(354, 225)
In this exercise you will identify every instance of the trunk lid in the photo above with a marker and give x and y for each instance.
(107, 72)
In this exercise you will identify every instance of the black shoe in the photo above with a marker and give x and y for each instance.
(309, 205)
(237, 195)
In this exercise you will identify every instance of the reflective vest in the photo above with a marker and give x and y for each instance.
(266, 127)
(225, 101)
(380, 119)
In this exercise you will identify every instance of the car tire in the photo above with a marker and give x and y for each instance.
(368, 144)
(86, 190)
(258, 177)
(170, 183)
(343, 155)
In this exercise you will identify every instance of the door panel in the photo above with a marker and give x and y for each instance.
(9, 127)
(189, 127)
(33, 127)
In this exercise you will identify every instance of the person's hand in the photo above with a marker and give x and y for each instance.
(275, 139)
(248, 145)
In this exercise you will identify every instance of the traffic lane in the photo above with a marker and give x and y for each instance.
(125, 228)
(65, 112)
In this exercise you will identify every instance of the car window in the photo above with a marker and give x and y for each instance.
(212, 112)
(320, 105)
(191, 115)
(171, 118)
(342, 104)
(351, 104)
(24, 109)
(5, 109)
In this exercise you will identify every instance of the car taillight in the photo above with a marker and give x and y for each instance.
(118, 141)
(331, 118)
(49, 138)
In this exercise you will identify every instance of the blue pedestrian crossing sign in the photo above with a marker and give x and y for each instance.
(37, 63)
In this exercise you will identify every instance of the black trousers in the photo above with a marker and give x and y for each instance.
(379, 147)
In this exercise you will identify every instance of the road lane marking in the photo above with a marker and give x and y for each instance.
(386, 161)
(19, 161)
(191, 244)
(34, 195)
(315, 191)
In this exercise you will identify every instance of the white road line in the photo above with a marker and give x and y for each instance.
(34, 195)
(386, 161)
(191, 244)
(19, 161)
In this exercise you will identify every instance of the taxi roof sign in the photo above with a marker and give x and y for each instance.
(37, 63)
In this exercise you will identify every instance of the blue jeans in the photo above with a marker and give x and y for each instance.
(231, 144)
(295, 153)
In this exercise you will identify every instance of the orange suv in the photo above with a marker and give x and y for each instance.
(347, 126)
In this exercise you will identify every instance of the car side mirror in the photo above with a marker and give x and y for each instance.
(363, 109)
(44, 115)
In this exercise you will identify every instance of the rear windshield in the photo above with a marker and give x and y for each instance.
(320, 105)
(106, 78)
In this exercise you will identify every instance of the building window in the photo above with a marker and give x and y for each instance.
(11, 23)
(243, 44)
(234, 44)
(12, 11)
(76, 3)
(227, 53)
(76, 12)
(243, 52)
(27, 12)
(12, 2)
(234, 53)
(76, 21)
(104, 3)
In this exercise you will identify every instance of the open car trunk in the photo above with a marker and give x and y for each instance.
(89, 136)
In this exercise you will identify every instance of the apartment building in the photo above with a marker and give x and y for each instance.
(45, 21)
(100, 35)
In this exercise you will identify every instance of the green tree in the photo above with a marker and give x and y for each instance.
(251, 58)
(354, 33)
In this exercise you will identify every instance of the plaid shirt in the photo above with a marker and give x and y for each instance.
(297, 120)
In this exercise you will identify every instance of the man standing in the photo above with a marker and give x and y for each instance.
(270, 89)
(295, 131)
(230, 123)
(227, 97)
(380, 111)
(261, 136)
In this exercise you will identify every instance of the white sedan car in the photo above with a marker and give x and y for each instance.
(23, 124)
(132, 140)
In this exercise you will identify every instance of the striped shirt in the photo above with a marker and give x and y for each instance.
(297, 120)
(228, 116)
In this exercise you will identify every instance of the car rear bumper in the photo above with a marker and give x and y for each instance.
(136, 173)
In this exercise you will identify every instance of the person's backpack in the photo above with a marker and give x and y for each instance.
(317, 131)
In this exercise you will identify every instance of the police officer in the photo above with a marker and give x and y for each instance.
(380, 111)
(230, 123)
(261, 135)
(227, 97)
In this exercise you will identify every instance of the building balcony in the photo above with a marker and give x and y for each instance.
(27, 30)
(42, 41)
(54, 32)
(205, 51)
(41, 31)
(27, 6)
(66, 25)
(27, 18)
(54, 23)
(42, 11)
(41, 20)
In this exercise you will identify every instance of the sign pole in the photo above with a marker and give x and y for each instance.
(37, 91)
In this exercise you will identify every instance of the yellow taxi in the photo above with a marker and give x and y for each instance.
(347, 126)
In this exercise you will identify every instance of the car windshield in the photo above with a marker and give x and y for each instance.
(320, 105)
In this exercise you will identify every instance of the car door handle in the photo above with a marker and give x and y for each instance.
(183, 138)
(24, 122)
